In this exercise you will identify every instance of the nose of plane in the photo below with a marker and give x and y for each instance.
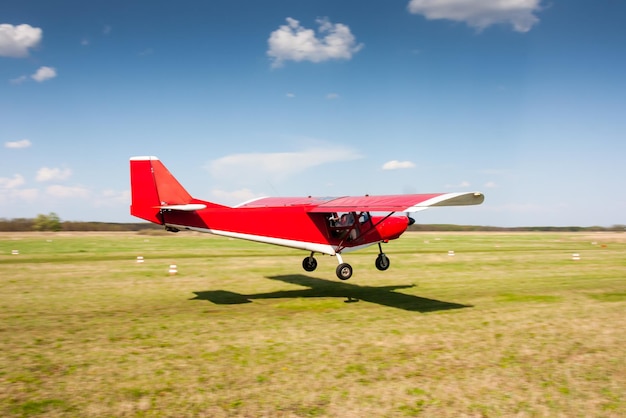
(393, 227)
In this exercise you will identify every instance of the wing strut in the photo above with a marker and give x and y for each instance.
(374, 225)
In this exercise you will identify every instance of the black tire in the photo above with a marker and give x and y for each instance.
(309, 263)
(382, 262)
(344, 271)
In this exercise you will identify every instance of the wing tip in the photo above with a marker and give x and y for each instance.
(450, 199)
(460, 199)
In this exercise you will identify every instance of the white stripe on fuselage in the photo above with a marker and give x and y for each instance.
(301, 245)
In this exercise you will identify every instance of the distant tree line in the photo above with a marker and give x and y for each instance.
(52, 222)
(470, 228)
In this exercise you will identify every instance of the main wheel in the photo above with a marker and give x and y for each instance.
(382, 262)
(309, 263)
(344, 271)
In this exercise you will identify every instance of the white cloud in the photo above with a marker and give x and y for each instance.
(290, 95)
(277, 165)
(13, 196)
(41, 75)
(44, 73)
(112, 198)
(67, 191)
(114, 194)
(491, 185)
(11, 183)
(332, 96)
(26, 194)
(462, 185)
(234, 197)
(48, 174)
(22, 143)
(10, 191)
(396, 165)
(293, 42)
(18, 80)
(15, 41)
(480, 14)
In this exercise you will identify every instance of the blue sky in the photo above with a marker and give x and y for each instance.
(524, 100)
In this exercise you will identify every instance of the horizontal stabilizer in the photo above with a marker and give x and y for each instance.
(189, 207)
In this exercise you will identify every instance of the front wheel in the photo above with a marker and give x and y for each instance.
(344, 271)
(382, 262)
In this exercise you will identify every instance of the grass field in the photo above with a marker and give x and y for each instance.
(510, 325)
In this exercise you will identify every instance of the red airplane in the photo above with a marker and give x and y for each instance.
(319, 225)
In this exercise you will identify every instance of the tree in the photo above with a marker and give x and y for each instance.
(49, 222)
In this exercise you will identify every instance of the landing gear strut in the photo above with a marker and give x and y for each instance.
(344, 270)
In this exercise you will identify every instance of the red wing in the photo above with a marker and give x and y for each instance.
(279, 202)
(383, 203)
(398, 203)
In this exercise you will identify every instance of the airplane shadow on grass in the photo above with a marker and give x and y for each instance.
(320, 288)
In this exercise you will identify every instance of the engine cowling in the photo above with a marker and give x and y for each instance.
(392, 227)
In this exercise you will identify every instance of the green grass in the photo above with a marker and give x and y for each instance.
(508, 326)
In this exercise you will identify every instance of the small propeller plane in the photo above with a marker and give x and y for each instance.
(326, 225)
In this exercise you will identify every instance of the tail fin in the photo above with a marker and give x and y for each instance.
(154, 188)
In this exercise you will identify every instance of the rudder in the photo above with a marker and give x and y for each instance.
(153, 186)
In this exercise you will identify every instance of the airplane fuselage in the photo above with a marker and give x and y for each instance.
(292, 226)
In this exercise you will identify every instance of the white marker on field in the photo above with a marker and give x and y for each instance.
(173, 269)
(575, 256)
(15, 252)
(451, 253)
(140, 259)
